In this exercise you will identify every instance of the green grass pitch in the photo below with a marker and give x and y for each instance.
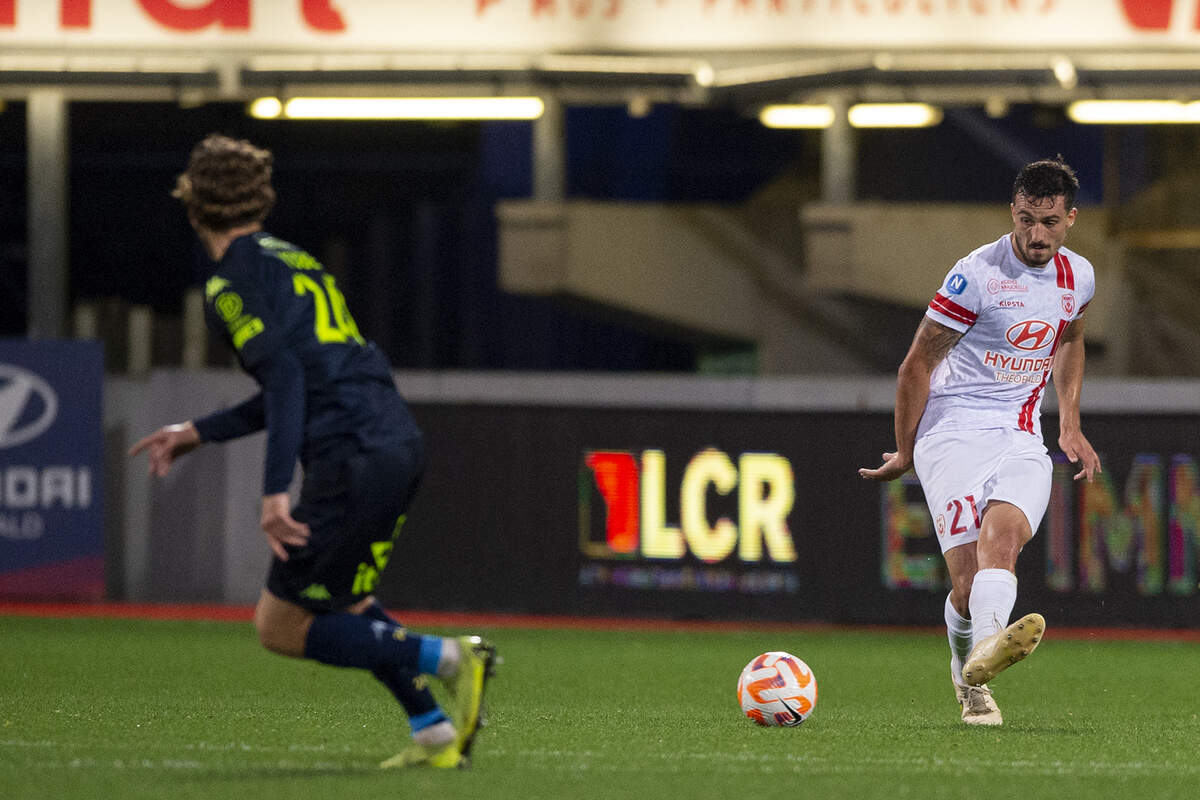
(94, 708)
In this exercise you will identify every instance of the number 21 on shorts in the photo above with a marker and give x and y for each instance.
(962, 514)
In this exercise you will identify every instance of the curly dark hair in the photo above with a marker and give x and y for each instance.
(227, 183)
(1049, 177)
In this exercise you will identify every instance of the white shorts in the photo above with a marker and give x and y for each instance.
(962, 471)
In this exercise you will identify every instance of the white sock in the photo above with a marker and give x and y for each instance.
(448, 660)
(958, 630)
(435, 735)
(993, 595)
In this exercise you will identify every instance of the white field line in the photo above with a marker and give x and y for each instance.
(805, 764)
(200, 747)
(45, 754)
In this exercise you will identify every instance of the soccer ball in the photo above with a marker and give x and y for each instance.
(777, 689)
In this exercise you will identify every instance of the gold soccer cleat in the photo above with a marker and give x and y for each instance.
(1001, 650)
(978, 706)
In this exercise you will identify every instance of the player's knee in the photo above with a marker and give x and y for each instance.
(269, 637)
(282, 634)
(284, 640)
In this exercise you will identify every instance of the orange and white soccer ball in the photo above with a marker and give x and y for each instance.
(777, 689)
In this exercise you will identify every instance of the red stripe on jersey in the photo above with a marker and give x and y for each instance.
(1062, 326)
(944, 305)
(1083, 308)
(1025, 418)
(1066, 276)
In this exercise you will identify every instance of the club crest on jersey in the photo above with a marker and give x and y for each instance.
(941, 525)
(956, 285)
(1068, 303)
(1032, 334)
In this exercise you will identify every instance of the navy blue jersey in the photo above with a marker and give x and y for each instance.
(288, 323)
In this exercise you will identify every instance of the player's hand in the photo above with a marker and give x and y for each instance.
(894, 465)
(1076, 447)
(278, 525)
(167, 444)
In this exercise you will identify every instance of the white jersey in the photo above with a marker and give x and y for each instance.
(1012, 317)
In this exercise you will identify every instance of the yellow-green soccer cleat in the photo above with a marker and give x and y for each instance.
(446, 756)
(1001, 650)
(477, 664)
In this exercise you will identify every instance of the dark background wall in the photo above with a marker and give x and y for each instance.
(403, 212)
(507, 501)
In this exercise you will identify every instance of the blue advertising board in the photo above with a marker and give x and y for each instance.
(51, 451)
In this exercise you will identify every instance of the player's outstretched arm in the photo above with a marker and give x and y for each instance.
(167, 444)
(1068, 384)
(933, 341)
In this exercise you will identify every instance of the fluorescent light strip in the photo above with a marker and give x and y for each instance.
(796, 116)
(894, 115)
(517, 108)
(862, 115)
(265, 108)
(1134, 112)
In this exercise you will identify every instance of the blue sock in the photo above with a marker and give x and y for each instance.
(350, 640)
(419, 722)
(408, 688)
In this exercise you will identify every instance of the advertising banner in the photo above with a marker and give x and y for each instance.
(761, 515)
(51, 520)
(563, 26)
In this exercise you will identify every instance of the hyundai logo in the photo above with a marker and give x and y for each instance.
(1032, 334)
(28, 406)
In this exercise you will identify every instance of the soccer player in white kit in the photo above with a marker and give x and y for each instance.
(1008, 317)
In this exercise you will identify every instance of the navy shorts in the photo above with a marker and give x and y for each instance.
(355, 505)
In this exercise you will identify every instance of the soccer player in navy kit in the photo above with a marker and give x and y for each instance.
(327, 398)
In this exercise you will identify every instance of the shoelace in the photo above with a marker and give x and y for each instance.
(977, 698)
